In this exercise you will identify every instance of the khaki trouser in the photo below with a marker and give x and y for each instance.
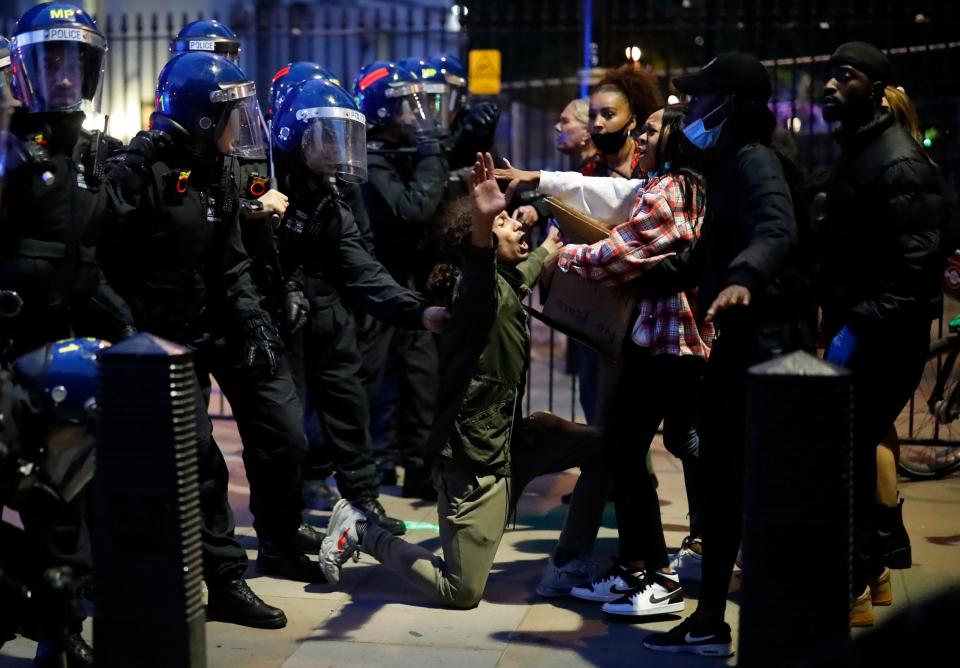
(472, 516)
(473, 512)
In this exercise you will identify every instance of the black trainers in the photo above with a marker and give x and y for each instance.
(375, 513)
(691, 637)
(233, 602)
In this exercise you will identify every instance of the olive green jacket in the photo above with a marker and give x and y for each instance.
(483, 361)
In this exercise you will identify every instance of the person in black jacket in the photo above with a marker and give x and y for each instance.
(407, 180)
(751, 268)
(177, 257)
(320, 139)
(878, 280)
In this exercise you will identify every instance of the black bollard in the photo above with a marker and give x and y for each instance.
(797, 510)
(146, 539)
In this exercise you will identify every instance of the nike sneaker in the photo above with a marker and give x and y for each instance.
(617, 583)
(687, 562)
(659, 594)
(692, 637)
(341, 541)
(559, 580)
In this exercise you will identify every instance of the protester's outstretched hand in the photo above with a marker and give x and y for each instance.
(553, 245)
(730, 297)
(487, 199)
(511, 173)
(526, 214)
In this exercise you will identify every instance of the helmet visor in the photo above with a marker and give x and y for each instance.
(242, 131)
(413, 108)
(442, 100)
(59, 70)
(335, 142)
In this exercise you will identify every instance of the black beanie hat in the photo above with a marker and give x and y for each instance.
(865, 57)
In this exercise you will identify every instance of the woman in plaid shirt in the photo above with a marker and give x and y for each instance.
(660, 376)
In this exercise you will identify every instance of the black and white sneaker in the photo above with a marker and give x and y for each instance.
(658, 594)
(618, 582)
(691, 637)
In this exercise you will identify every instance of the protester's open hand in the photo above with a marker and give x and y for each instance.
(511, 173)
(435, 319)
(487, 199)
(526, 215)
(730, 297)
(552, 243)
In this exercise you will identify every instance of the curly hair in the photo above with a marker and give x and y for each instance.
(637, 86)
(454, 220)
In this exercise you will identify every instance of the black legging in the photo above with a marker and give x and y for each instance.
(651, 389)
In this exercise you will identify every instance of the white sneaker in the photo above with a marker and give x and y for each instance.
(654, 597)
(341, 541)
(559, 580)
(615, 584)
(687, 562)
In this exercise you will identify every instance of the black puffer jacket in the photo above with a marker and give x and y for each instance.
(879, 243)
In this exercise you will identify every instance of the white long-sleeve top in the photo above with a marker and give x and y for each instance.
(609, 200)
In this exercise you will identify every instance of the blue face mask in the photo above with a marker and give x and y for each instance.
(700, 136)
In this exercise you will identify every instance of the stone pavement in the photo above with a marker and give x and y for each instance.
(377, 620)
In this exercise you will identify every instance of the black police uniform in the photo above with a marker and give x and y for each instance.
(402, 196)
(52, 217)
(53, 214)
(177, 258)
(326, 255)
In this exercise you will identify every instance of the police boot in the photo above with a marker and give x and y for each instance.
(287, 562)
(308, 539)
(233, 602)
(375, 513)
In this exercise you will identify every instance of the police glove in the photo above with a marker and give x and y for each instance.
(296, 308)
(427, 142)
(262, 345)
(482, 119)
(146, 148)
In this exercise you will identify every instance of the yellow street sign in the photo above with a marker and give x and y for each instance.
(484, 76)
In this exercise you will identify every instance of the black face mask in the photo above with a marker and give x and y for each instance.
(610, 143)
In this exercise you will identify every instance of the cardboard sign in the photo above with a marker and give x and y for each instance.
(596, 315)
(484, 78)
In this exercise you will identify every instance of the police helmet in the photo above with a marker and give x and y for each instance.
(205, 97)
(319, 123)
(387, 93)
(62, 379)
(290, 75)
(57, 59)
(207, 35)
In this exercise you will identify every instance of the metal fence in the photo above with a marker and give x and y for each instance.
(542, 42)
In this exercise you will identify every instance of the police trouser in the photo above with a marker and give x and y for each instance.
(223, 558)
(332, 366)
(269, 419)
(402, 426)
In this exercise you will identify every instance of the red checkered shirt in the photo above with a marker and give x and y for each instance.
(659, 227)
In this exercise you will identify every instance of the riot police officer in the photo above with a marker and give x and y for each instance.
(265, 405)
(177, 258)
(207, 35)
(46, 461)
(49, 230)
(408, 174)
(320, 138)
